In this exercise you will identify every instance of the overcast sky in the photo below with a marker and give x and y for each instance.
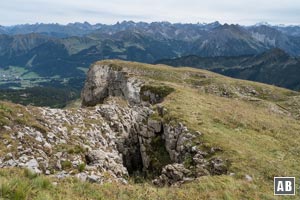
(110, 11)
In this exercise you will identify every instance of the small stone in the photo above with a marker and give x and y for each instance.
(23, 158)
(218, 166)
(194, 149)
(62, 174)
(62, 141)
(20, 135)
(215, 149)
(93, 178)
(248, 178)
(11, 163)
(7, 128)
(81, 176)
(47, 145)
(40, 158)
(51, 135)
(172, 174)
(198, 159)
(39, 139)
(33, 165)
(58, 165)
(123, 181)
(58, 154)
(8, 156)
(198, 133)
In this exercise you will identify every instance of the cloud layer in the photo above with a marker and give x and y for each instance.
(99, 11)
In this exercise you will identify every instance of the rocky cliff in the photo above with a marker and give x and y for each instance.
(147, 144)
(110, 80)
(119, 132)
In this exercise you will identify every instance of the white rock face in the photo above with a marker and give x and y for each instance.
(264, 39)
(108, 80)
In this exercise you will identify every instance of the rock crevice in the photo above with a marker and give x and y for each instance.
(150, 146)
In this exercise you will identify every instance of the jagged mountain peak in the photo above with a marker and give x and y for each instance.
(265, 29)
(233, 28)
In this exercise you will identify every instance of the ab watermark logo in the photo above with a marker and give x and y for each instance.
(284, 185)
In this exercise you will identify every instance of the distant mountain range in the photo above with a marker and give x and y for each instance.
(274, 67)
(54, 50)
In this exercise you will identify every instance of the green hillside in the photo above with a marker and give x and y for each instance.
(256, 126)
(274, 67)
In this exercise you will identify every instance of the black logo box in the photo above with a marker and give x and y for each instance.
(284, 184)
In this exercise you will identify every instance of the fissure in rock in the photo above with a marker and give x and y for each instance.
(132, 157)
(158, 154)
(145, 153)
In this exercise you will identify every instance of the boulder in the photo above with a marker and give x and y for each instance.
(93, 178)
(154, 125)
(171, 174)
(33, 165)
(217, 166)
(95, 156)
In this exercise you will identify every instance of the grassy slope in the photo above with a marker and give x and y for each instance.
(258, 137)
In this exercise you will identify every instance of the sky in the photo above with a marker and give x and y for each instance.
(245, 12)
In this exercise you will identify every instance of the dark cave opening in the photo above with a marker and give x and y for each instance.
(132, 158)
(148, 163)
(158, 154)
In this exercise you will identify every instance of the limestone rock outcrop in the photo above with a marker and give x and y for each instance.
(110, 80)
(112, 136)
